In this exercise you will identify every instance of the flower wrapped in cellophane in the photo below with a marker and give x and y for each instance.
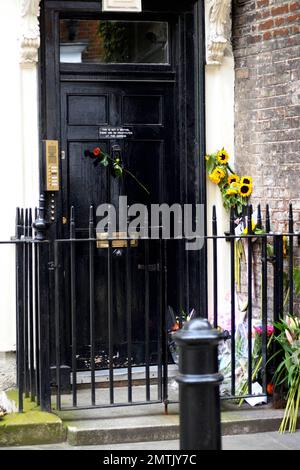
(288, 370)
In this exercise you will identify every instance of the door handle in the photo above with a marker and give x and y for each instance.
(116, 151)
(117, 169)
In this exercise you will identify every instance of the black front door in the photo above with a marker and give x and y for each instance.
(141, 73)
(147, 111)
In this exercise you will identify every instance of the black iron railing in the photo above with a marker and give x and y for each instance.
(51, 304)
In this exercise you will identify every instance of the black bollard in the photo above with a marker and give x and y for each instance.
(199, 380)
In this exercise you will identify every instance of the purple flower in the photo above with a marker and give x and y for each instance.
(258, 330)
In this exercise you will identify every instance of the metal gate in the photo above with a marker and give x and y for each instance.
(44, 374)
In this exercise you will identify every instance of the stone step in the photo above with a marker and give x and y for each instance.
(149, 423)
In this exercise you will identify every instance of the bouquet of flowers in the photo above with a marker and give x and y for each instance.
(235, 190)
(242, 355)
(288, 370)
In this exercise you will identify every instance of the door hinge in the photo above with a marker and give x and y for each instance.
(63, 155)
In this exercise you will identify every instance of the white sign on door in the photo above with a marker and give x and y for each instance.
(122, 5)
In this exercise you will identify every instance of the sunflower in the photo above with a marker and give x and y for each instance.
(233, 189)
(222, 156)
(217, 175)
(231, 192)
(214, 177)
(219, 171)
(246, 180)
(233, 179)
(245, 190)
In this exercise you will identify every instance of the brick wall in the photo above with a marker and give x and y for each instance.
(86, 30)
(266, 44)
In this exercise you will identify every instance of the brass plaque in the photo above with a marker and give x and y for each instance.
(52, 165)
(118, 240)
(122, 5)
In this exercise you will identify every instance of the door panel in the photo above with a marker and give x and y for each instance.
(87, 110)
(142, 110)
(86, 185)
(146, 110)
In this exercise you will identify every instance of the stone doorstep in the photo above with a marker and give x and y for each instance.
(152, 426)
(126, 424)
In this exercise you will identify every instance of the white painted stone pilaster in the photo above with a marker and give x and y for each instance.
(219, 77)
(29, 46)
(19, 138)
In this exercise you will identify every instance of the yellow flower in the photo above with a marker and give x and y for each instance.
(233, 179)
(245, 190)
(222, 156)
(231, 192)
(253, 227)
(206, 157)
(246, 180)
(217, 175)
(284, 243)
(233, 189)
(220, 172)
(214, 177)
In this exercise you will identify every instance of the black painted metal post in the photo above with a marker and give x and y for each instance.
(291, 261)
(20, 308)
(278, 276)
(215, 264)
(278, 310)
(199, 380)
(41, 226)
(25, 306)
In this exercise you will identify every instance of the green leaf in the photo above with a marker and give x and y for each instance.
(210, 164)
(105, 162)
(270, 250)
(297, 280)
(118, 170)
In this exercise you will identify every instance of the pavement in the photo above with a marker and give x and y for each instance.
(258, 441)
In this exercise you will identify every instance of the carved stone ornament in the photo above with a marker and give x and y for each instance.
(218, 30)
(30, 31)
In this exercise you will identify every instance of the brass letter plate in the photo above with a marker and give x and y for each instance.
(52, 165)
(119, 240)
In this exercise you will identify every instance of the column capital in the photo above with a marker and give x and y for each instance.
(218, 30)
(30, 32)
